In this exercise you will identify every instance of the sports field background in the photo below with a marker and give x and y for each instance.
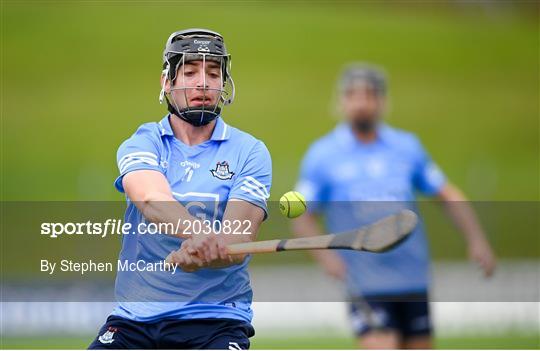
(301, 342)
(79, 77)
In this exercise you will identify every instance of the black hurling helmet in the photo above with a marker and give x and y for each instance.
(193, 45)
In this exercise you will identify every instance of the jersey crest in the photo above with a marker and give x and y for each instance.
(222, 171)
(107, 337)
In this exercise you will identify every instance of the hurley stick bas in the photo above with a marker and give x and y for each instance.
(379, 236)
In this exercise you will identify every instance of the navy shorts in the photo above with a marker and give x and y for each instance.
(224, 334)
(406, 314)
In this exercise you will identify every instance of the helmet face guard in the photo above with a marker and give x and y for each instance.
(197, 96)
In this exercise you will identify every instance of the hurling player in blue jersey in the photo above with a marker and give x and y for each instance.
(205, 184)
(363, 170)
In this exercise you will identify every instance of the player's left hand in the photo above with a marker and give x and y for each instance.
(208, 247)
(481, 253)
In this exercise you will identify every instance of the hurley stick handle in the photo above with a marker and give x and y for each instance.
(253, 247)
(309, 243)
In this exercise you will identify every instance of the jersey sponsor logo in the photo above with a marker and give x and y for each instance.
(188, 171)
(204, 206)
(190, 164)
(222, 171)
(107, 337)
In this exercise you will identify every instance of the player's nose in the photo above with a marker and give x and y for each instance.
(202, 86)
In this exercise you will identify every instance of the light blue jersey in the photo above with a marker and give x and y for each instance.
(353, 183)
(231, 165)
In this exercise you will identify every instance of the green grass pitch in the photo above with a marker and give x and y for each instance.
(304, 342)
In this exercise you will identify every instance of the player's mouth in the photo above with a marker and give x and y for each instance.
(200, 101)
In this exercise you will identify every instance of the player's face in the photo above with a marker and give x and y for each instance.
(197, 85)
(362, 106)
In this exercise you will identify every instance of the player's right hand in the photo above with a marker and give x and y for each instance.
(186, 261)
(480, 252)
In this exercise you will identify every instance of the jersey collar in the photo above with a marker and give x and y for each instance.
(165, 126)
(221, 132)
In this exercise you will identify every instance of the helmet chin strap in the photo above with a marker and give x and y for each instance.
(197, 118)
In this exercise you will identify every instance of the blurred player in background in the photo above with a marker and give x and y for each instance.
(365, 169)
(189, 168)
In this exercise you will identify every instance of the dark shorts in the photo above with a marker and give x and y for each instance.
(224, 334)
(406, 314)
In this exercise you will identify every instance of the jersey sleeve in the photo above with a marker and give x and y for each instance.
(254, 180)
(140, 151)
(312, 183)
(428, 177)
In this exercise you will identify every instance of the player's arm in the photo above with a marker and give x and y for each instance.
(142, 179)
(246, 209)
(308, 225)
(464, 217)
(430, 180)
(151, 193)
(241, 222)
